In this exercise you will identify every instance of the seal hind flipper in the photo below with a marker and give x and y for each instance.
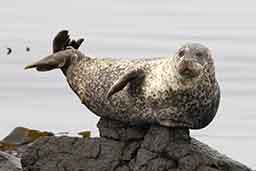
(54, 61)
(79, 42)
(60, 41)
(76, 43)
(124, 80)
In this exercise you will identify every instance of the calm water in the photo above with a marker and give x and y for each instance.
(129, 29)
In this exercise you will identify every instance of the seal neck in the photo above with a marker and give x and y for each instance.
(74, 58)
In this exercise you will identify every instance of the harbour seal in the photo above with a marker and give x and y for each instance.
(174, 91)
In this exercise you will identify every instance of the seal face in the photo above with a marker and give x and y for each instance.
(176, 91)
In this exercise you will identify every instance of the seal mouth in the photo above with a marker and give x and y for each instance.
(189, 69)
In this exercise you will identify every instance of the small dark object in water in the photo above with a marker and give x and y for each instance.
(27, 49)
(9, 51)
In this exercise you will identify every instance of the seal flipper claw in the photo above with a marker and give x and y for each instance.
(124, 80)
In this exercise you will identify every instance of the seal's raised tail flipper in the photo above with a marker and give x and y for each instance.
(54, 61)
(60, 41)
(124, 80)
(79, 42)
(76, 43)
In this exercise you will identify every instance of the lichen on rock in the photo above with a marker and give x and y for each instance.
(85, 134)
(21, 136)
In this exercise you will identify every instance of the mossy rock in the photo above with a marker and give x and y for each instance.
(34, 134)
(22, 136)
(85, 134)
(5, 147)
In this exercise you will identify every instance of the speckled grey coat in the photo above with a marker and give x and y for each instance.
(156, 94)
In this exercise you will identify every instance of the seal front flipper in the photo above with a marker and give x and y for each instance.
(124, 80)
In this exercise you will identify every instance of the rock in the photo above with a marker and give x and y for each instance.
(143, 158)
(5, 146)
(189, 154)
(120, 131)
(130, 151)
(123, 168)
(16, 142)
(9, 162)
(85, 134)
(206, 168)
(21, 136)
(52, 153)
(127, 148)
(158, 138)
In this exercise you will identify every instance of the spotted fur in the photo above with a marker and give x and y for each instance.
(160, 97)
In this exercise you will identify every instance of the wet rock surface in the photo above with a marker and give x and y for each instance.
(120, 131)
(125, 148)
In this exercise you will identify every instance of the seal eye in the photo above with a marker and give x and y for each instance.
(199, 54)
(181, 53)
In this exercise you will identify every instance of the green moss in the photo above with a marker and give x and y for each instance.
(85, 134)
(4, 146)
(34, 134)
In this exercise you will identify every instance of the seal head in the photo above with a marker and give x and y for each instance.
(195, 82)
(191, 60)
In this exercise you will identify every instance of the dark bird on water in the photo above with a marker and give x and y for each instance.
(27, 49)
(9, 51)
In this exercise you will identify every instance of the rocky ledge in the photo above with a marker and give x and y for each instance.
(126, 148)
(9, 162)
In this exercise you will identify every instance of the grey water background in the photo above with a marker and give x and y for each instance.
(128, 29)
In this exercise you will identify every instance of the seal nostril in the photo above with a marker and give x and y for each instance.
(181, 53)
(199, 54)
